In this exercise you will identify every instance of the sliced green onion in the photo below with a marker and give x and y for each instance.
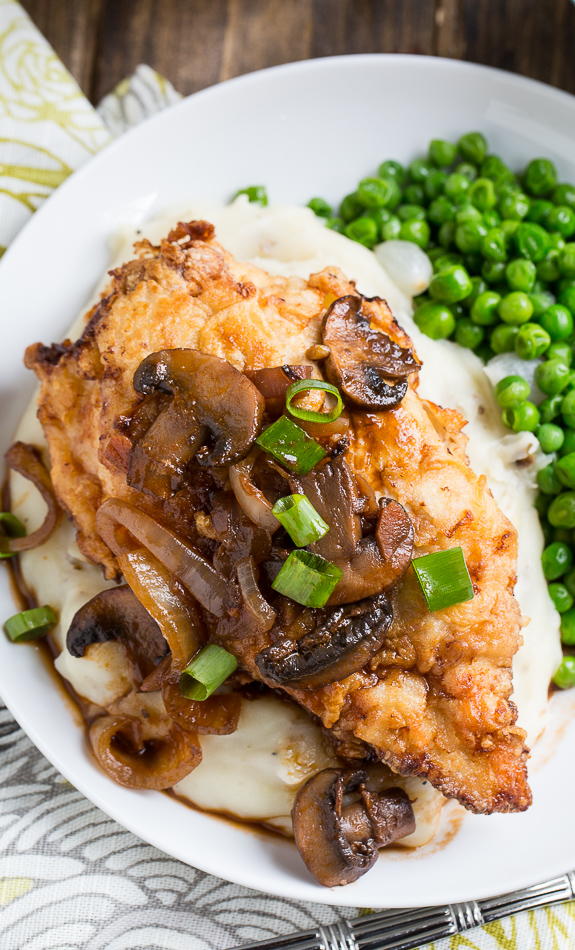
(308, 415)
(300, 519)
(30, 624)
(291, 446)
(444, 578)
(307, 578)
(10, 527)
(208, 670)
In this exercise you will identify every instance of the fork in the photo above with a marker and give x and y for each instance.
(414, 927)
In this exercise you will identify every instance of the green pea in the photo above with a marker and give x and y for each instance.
(320, 207)
(568, 407)
(569, 581)
(391, 228)
(568, 628)
(491, 219)
(377, 192)
(547, 480)
(469, 236)
(567, 260)
(512, 391)
(556, 559)
(407, 211)
(550, 407)
(562, 219)
(540, 177)
(541, 301)
(564, 675)
(561, 351)
(256, 194)
(514, 205)
(381, 216)
(456, 186)
(468, 334)
(502, 339)
(494, 245)
(548, 270)
(350, 207)
(522, 418)
(493, 271)
(478, 287)
(482, 194)
(467, 212)
(496, 169)
(416, 231)
(515, 308)
(435, 320)
(570, 381)
(473, 147)
(558, 322)
(556, 241)
(446, 234)
(451, 284)
(445, 259)
(532, 341)
(567, 297)
(434, 185)
(419, 169)
(363, 230)
(565, 469)
(442, 153)
(561, 513)
(539, 210)
(560, 597)
(552, 377)
(484, 308)
(564, 195)
(414, 194)
(531, 241)
(441, 210)
(335, 224)
(392, 169)
(551, 437)
(467, 169)
(509, 227)
(520, 274)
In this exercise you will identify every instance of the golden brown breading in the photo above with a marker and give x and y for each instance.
(435, 701)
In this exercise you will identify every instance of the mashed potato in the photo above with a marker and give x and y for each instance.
(277, 756)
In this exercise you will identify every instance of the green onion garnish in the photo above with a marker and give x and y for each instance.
(300, 519)
(444, 578)
(208, 670)
(304, 385)
(10, 527)
(30, 624)
(307, 578)
(291, 446)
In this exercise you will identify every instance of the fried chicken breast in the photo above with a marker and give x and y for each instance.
(434, 701)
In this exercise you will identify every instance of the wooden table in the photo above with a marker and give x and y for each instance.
(196, 43)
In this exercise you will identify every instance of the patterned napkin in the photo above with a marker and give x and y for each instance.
(71, 878)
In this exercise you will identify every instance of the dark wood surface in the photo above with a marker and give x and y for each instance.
(196, 43)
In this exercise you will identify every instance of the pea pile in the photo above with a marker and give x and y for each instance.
(502, 247)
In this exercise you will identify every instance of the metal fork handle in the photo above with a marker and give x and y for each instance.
(414, 927)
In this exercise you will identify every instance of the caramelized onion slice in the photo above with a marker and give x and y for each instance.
(249, 497)
(273, 383)
(25, 459)
(129, 759)
(263, 615)
(216, 716)
(209, 588)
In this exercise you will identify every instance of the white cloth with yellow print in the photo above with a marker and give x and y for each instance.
(70, 877)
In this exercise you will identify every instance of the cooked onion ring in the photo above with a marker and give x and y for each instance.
(249, 497)
(217, 716)
(25, 459)
(124, 754)
(260, 610)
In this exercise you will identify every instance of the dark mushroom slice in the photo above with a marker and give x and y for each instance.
(117, 614)
(273, 383)
(213, 418)
(338, 839)
(369, 564)
(362, 360)
(336, 642)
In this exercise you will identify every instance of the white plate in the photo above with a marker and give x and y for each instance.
(304, 129)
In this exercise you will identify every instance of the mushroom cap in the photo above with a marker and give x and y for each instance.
(362, 360)
(339, 842)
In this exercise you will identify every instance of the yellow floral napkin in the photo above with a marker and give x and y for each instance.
(71, 878)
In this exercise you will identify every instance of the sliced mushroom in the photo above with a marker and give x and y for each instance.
(338, 641)
(339, 840)
(361, 360)
(116, 614)
(369, 564)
